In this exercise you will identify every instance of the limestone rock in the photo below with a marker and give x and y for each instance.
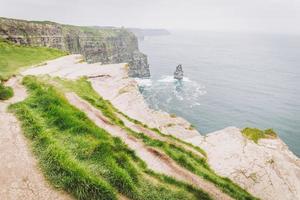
(178, 74)
(268, 170)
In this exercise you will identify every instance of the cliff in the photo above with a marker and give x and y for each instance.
(96, 44)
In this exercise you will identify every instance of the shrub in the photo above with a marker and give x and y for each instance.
(173, 115)
(5, 92)
(270, 133)
(255, 134)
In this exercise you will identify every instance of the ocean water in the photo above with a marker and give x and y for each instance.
(231, 79)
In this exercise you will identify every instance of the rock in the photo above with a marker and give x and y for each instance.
(96, 44)
(178, 74)
(267, 169)
(139, 65)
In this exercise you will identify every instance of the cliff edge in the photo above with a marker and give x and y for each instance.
(96, 44)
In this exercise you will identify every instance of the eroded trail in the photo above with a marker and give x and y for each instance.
(139, 128)
(155, 159)
(20, 177)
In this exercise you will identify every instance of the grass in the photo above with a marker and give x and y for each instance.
(83, 159)
(173, 115)
(173, 149)
(5, 92)
(84, 89)
(13, 57)
(255, 134)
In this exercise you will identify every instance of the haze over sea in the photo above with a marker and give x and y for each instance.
(231, 79)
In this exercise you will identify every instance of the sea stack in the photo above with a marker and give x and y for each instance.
(178, 74)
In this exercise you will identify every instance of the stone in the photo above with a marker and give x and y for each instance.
(178, 74)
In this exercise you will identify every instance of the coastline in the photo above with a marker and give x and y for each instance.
(267, 169)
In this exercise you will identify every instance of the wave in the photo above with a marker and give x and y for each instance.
(143, 82)
(170, 79)
(168, 91)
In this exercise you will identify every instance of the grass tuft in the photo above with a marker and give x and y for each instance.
(255, 134)
(5, 92)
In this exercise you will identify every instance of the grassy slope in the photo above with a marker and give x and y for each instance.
(183, 157)
(84, 159)
(13, 57)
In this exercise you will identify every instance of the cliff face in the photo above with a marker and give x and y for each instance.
(96, 44)
(267, 169)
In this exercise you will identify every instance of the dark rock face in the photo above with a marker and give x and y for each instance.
(178, 74)
(96, 44)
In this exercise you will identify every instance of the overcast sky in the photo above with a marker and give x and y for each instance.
(228, 15)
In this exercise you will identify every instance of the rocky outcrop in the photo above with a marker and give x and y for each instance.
(267, 169)
(96, 44)
(178, 74)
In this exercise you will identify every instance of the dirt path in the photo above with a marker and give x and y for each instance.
(155, 159)
(20, 178)
(139, 128)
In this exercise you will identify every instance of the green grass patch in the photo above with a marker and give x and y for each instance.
(13, 57)
(83, 159)
(255, 134)
(5, 92)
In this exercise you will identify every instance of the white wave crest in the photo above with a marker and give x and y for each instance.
(170, 79)
(143, 82)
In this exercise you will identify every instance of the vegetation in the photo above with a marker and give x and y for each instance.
(5, 92)
(255, 134)
(84, 89)
(173, 115)
(84, 159)
(192, 127)
(13, 57)
(173, 149)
